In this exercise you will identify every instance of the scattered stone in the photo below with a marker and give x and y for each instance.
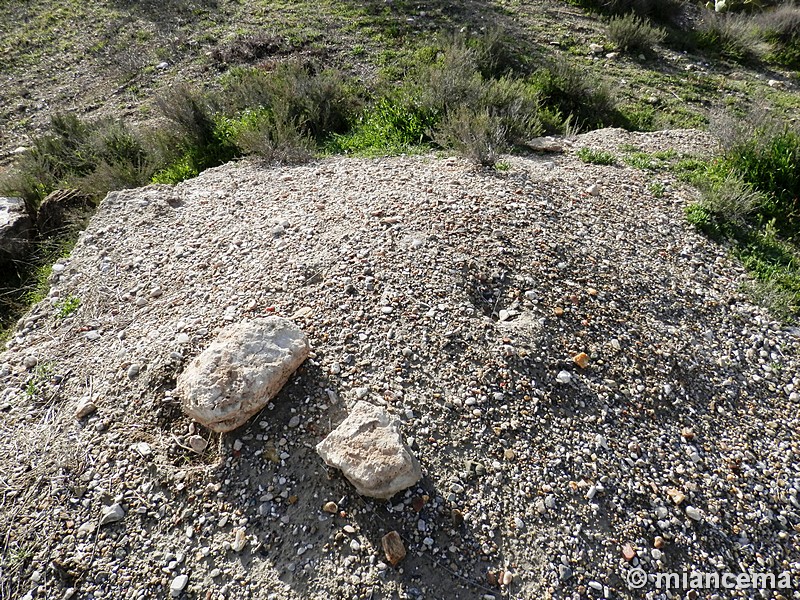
(178, 585)
(112, 514)
(85, 408)
(676, 495)
(330, 507)
(29, 362)
(593, 190)
(241, 371)
(628, 552)
(581, 359)
(693, 513)
(564, 377)
(508, 578)
(393, 548)
(596, 48)
(197, 443)
(547, 144)
(133, 371)
(239, 539)
(658, 542)
(369, 449)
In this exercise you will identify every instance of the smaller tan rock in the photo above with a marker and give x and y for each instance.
(371, 453)
(330, 507)
(628, 553)
(676, 495)
(393, 548)
(85, 408)
(581, 359)
(508, 577)
(658, 542)
(198, 443)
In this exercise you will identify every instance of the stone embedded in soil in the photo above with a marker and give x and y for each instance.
(581, 359)
(693, 513)
(241, 371)
(628, 552)
(112, 514)
(393, 548)
(178, 585)
(85, 408)
(369, 449)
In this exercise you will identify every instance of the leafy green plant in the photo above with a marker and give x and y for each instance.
(633, 34)
(596, 157)
(67, 306)
(570, 91)
(391, 126)
(657, 189)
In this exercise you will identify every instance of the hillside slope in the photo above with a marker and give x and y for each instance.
(455, 297)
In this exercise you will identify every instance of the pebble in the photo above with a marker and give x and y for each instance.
(112, 514)
(29, 362)
(330, 507)
(393, 548)
(178, 585)
(693, 513)
(564, 377)
(133, 371)
(85, 408)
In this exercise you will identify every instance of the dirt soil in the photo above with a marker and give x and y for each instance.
(457, 298)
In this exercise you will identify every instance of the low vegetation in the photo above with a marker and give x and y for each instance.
(480, 93)
(751, 200)
(634, 34)
(596, 157)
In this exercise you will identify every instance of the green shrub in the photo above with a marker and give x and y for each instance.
(732, 36)
(93, 156)
(781, 28)
(631, 33)
(499, 54)
(663, 11)
(449, 81)
(596, 157)
(769, 162)
(567, 90)
(319, 102)
(275, 137)
(391, 126)
(474, 134)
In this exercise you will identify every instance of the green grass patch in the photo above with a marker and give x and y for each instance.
(67, 306)
(596, 157)
(750, 199)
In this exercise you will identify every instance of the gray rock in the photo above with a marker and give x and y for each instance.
(178, 585)
(369, 449)
(241, 371)
(112, 514)
(16, 228)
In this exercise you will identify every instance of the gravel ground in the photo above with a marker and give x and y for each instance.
(459, 299)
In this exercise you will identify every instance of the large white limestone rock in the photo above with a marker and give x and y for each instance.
(241, 371)
(369, 449)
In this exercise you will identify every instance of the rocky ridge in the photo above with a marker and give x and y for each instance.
(584, 385)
